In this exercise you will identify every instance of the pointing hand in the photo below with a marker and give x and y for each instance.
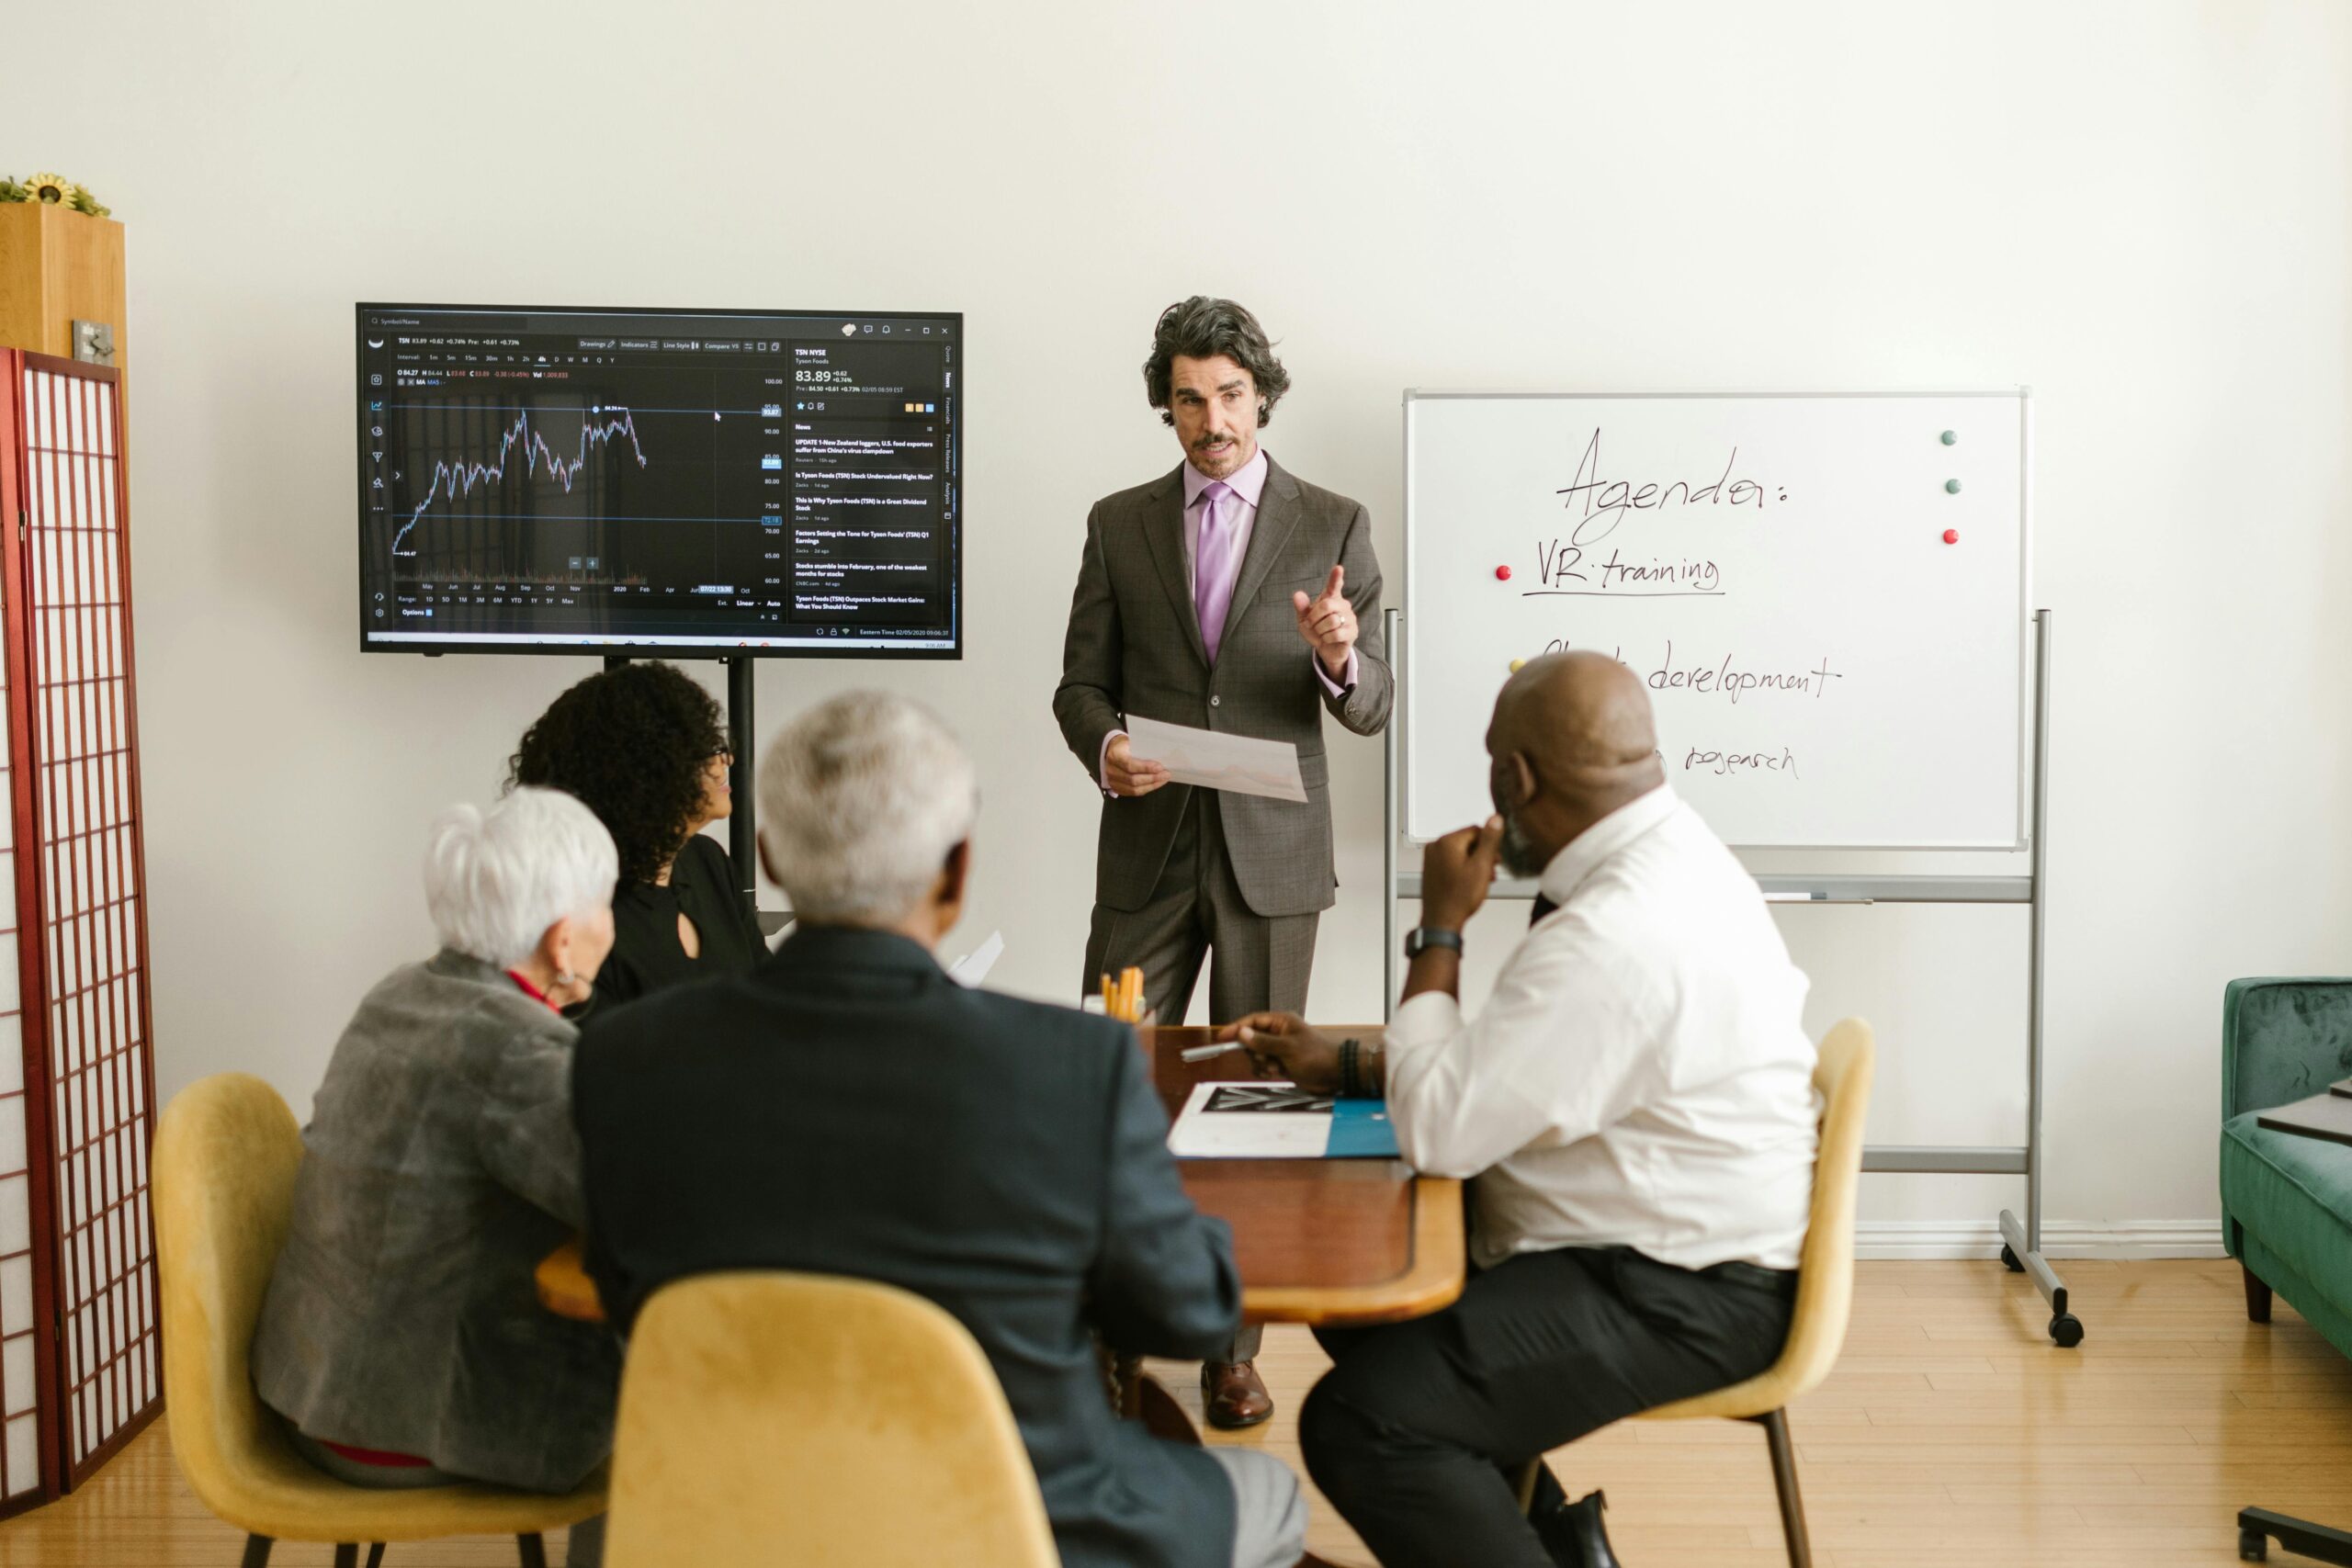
(1328, 622)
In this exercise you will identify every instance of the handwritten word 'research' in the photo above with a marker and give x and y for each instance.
(1722, 762)
(1725, 680)
(1605, 502)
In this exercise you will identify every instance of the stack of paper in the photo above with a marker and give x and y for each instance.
(1238, 764)
(1258, 1119)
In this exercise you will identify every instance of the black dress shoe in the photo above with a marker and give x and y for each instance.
(1575, 1535)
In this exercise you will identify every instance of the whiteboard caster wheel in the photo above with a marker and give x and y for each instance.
(2009, 1260)
(2066, 1331)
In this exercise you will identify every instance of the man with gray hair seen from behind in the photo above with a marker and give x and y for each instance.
(847, 1109)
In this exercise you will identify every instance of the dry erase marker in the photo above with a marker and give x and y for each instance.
(1202, 1053)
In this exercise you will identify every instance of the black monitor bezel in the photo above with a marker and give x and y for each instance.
(648, 648)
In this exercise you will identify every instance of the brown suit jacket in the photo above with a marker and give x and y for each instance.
(1134, 646)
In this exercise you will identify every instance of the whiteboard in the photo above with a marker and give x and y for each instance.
(1828, 670)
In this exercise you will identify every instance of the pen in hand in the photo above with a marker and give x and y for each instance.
(1202, 1053)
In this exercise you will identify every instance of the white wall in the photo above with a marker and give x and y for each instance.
(2141, 209)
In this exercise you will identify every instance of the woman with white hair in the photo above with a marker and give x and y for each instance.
(402, 1337)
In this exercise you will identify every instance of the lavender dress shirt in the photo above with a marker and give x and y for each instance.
(1248, 483)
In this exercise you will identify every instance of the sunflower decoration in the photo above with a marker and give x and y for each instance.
(54, 190)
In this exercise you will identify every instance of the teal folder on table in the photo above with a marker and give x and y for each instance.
(1360, 1130)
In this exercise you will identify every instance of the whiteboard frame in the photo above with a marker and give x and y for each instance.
(2022, 395)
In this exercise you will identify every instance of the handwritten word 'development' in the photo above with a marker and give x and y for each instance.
(1731, 763)
(1601, 503)
(1563, 571)
(1728, 680)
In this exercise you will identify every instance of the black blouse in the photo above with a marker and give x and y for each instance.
(647, 955)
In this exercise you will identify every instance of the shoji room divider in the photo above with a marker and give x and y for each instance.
(80, 1357)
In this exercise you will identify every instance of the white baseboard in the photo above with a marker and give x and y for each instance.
(1879, 1240)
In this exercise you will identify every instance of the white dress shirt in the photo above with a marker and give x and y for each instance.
(1248, 484)
(1640, 1077)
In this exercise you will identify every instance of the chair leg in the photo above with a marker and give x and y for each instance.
(346, 1554)
(1784, 1478)
(256, 1551)
(2257, 1296)
(2319, 1543)
(1523, 1483)
(533, 1549)
(375, 1554)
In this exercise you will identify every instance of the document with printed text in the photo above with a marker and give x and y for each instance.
(1260, 1120)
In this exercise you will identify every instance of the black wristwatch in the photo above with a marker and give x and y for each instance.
(1421, 939)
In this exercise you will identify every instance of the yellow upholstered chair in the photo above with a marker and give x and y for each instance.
(775, 1417)
(226, 1151)
(1825, 1285)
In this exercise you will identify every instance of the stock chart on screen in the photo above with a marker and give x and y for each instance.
(697, 483)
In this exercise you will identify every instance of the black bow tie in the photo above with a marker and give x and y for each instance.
(1543, 906)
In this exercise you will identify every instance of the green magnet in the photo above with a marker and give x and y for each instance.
(1951, 487)
(1950, 436)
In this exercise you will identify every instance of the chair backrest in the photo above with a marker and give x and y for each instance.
(226, 1152)
(775, 1417)
(1825, 1286)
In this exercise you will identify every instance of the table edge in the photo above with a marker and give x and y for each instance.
(1428, 1283)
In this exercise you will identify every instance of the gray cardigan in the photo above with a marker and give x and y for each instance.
(440, 1165)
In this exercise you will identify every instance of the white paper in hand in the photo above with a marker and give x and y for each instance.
(1238, 764)
(974, 966)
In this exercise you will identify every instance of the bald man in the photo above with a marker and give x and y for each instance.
(1634, 1108)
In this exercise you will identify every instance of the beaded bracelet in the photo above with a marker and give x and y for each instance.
(1350, 1069)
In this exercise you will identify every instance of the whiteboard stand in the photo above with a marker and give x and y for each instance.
(2020, 1242)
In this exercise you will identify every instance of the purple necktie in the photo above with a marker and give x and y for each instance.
(1212, 565)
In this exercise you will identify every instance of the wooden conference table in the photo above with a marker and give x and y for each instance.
(1324, 1241)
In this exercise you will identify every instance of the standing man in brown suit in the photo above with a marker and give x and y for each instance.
(1194, 596)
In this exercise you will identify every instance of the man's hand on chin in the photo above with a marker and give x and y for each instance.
(1456, 872)
(1282, 1045)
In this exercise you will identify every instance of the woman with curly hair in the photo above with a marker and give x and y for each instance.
(645, 749)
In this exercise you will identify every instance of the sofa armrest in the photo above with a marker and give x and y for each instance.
(2283, 1040)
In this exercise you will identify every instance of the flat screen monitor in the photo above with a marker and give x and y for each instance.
(686, 483)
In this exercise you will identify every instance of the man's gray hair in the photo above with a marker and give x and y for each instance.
(495, 880)
(861, 799)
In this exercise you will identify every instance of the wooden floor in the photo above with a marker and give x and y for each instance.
(1952, 1433)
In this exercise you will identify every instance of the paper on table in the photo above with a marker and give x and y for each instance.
(1289, 1124)
(974, 966)
(1238, 764)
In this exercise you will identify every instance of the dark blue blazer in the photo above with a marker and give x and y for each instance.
(847, 1109)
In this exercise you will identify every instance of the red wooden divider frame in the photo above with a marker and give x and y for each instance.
(80, 858)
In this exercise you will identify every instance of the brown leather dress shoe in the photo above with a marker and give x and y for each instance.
(1232, 1395)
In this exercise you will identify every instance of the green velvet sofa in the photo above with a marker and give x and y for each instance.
(2287, 1199)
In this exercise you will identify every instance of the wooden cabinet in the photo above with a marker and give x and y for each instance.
(58, 266)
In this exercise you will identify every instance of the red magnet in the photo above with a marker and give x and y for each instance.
(1952, 535)
(1502, 574)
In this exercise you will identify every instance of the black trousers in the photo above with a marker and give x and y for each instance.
(1412, 1432)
